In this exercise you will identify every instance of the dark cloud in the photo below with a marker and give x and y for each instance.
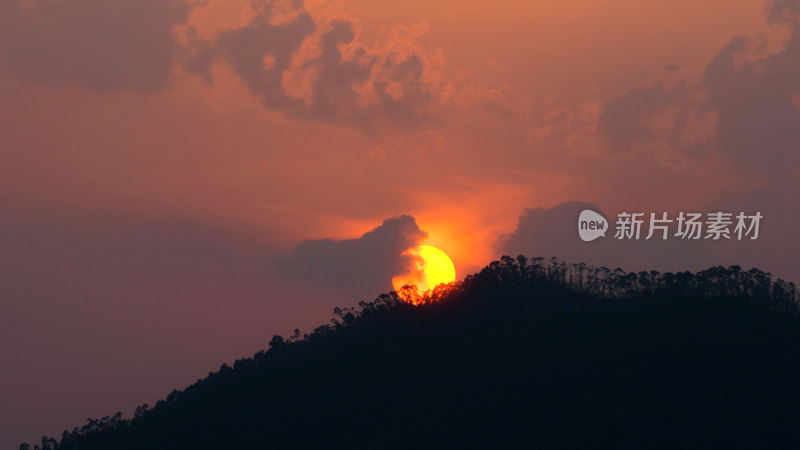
(745, 107)
(333, 98)
(548, 232)
(553, 232)
(759, 124)
(246, 50)
(98, 44)
(782, 11)
(623, 121)
(317, 70)
(363, 266)
(308, 68)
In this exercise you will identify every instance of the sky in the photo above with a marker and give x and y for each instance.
(182, 179)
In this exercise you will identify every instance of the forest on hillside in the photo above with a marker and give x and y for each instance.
(527, 353)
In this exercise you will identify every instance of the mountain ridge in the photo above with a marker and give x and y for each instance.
(526, 353)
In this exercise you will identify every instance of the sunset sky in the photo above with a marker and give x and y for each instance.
(181, 180)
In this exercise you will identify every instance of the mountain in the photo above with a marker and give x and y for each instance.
(526, 354)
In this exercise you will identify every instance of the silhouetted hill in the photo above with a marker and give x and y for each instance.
(528, 354)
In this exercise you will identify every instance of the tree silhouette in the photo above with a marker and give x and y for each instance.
(527, 353)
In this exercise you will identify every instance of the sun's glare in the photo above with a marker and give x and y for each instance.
(430, 267)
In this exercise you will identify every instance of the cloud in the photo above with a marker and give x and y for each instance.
(547, 232)
(363, 266)
(782, 12)
(724, 142)
(624, 120)
(315, 68)
(552, 232)
(733, 124)
(759, 124)
(744, 108)
(308, 65)
(260, 54)
(98, 44)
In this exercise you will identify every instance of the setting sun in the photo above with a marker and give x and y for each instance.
(430, 268)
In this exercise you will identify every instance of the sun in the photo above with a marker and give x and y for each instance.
(430, 267)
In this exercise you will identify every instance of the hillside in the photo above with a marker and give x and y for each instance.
(528, 353)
